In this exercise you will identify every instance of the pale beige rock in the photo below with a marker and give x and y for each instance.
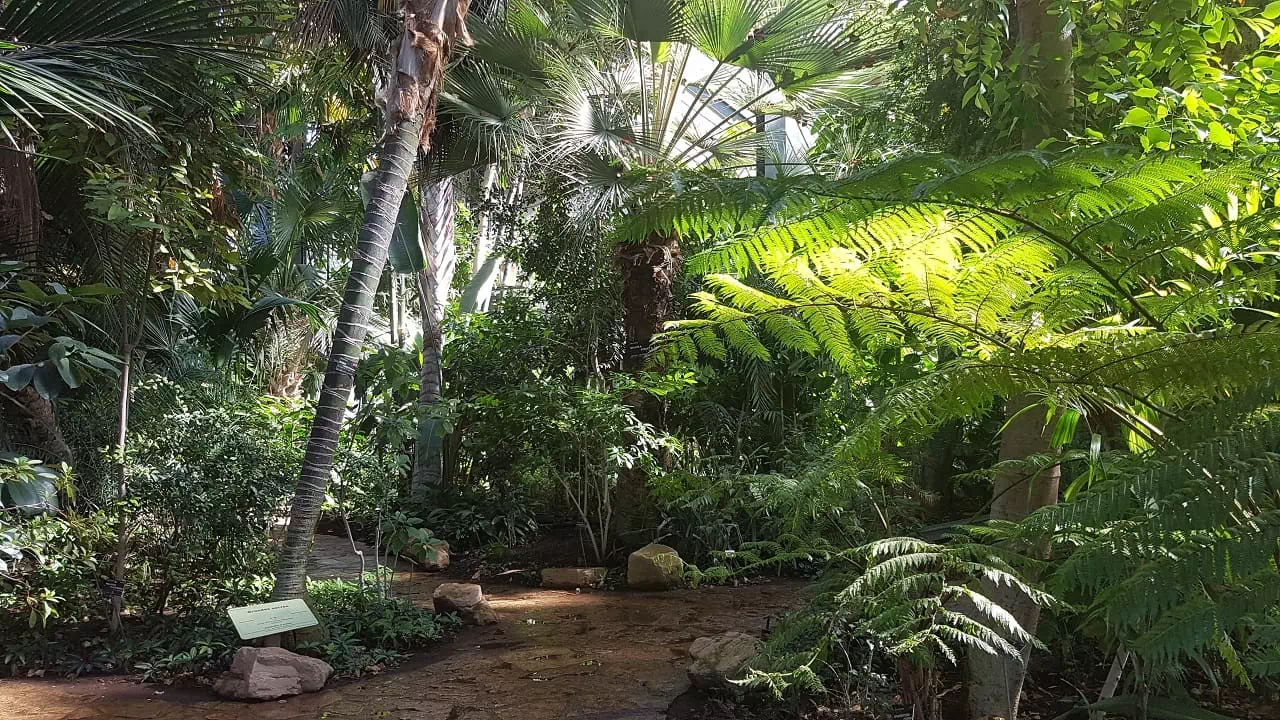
(573, 578)
(655, 567)
(467, 600)
(270, 673)
(721, 658)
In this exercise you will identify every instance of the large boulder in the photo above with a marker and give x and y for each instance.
(573, 578)
(271, 673)
(465, 599)
(655, 567)
(722, 658)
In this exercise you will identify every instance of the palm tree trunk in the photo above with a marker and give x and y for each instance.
(995, 682)
(27, 420)
(417, 68)
(649, 272)
(436, 221)
(484, 266)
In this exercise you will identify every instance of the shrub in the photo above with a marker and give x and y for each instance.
(368, 629)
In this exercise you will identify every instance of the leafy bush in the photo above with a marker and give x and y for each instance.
(828, 502)
(368, 629)
(53, 569)
(473, 517)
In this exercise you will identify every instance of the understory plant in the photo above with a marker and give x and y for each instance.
(911, 603)
(368, 630)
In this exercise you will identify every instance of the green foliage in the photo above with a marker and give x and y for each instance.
(1162, 74)
(96, 68)
(730, 519)
(35, 349)
(898, 599)
(1172, 552)
(474, 518)
(1035, 262)
(367, 630)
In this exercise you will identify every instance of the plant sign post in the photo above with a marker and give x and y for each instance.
(273, 618)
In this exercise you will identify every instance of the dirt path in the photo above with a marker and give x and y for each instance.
(556, 655)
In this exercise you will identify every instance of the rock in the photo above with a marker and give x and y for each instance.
(432, 558)
(573, 578)
(654, 567)
(721, 658)
(271, 673)
(465, 599)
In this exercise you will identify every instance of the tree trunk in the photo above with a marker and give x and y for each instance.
(937, 471)
(430, 27)
(27, 420)
(122, 489)
(649, 272)
(995, 682)
(484, 268)
(19, 201)
(393, 303)
(1044, 24)
(920, 688)
(436, 221)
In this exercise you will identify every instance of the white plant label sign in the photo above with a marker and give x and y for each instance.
(255, 621)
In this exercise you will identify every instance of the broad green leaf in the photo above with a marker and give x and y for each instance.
(1221, 136)
(1137, 116)
(30, 496)
(18, 376)
(406, 252)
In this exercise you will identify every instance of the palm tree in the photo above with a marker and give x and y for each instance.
(631, 94)
(702, 85)
(416, 71)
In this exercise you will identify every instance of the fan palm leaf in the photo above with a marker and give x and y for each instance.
(93, 66)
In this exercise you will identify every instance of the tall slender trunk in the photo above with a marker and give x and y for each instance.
(937, 471)
(394, 308)
(436, 220)
(649, 272)
(28, 420)
(430, 28)
(122, 487)
(484, 266)
(995, 683)
(1045, 24)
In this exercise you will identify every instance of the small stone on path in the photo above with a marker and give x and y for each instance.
(574, 577)
(722, 658)
(467, 600)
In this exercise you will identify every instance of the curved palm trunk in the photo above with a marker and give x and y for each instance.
(436, 220)
(416, 71)
(648, 302)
